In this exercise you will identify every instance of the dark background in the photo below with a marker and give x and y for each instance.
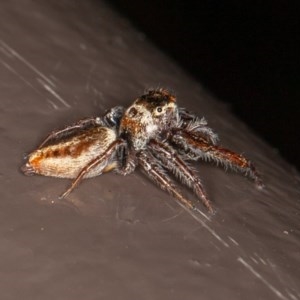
(244, 53)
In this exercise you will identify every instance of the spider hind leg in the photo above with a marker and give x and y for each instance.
(71, 130)
(102, 162)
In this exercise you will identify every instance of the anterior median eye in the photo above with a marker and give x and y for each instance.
(159, 109)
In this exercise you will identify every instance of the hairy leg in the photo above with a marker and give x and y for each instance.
(110, 119)
(96, 162)
(193, 148)
(180, 169)
(153, 169)
(198, 126)
(72, 130)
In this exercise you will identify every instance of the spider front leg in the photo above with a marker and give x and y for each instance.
(193, 147)
(197, 126)
(153, 169)
(101, 162)
(180, 169)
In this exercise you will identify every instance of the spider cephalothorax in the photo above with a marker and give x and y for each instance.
(147, 118)
(153, 134)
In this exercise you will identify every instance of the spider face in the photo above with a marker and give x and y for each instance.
(152, 134)
(148, 117)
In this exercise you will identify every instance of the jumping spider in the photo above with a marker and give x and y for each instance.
(153, 133)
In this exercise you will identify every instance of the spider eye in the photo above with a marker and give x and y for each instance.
(159, 109)
(132, 112)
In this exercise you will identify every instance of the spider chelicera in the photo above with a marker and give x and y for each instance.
(153, 134)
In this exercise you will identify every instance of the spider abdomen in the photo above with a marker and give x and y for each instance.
(66, 158)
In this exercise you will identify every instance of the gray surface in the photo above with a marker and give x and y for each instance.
(121, 237)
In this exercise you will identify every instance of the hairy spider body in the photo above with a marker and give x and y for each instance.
(153, 134)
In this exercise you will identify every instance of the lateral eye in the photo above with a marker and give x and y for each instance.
(132, 112)
(159, 109)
